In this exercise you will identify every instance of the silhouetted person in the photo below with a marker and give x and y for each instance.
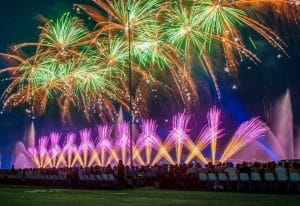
(13, 171)
(121, 174)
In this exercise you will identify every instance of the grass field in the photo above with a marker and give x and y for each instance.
(11, 196)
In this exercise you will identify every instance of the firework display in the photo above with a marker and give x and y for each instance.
(88, 69)
(149, 148)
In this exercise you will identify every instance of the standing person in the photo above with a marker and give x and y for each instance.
(121, 174)
(13, 171)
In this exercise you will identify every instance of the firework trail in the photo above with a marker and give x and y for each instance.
(88, 69)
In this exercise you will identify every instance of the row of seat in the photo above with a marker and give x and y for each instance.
(100, 180)
(35, 179)
(254, 176)
(254, 181)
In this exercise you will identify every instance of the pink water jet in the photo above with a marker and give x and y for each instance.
(282, 140)
(148, 140)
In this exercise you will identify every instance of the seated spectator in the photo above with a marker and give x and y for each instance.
(244, 168)
(230, 168)
(280, 168)
(219, 168)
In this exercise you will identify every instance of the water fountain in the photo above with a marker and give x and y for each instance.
(282, 128)
(280, 142)
(149, 148)
(20, 158)
(31, 136)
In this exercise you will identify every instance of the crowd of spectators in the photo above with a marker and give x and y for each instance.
(118, 176)
(283, 176)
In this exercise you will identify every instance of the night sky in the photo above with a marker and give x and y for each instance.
(258, 83)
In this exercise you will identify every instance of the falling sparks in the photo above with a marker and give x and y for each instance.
(88, 69)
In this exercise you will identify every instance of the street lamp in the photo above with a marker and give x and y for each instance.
(130, 81)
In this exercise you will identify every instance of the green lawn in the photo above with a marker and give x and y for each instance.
(10, 196)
